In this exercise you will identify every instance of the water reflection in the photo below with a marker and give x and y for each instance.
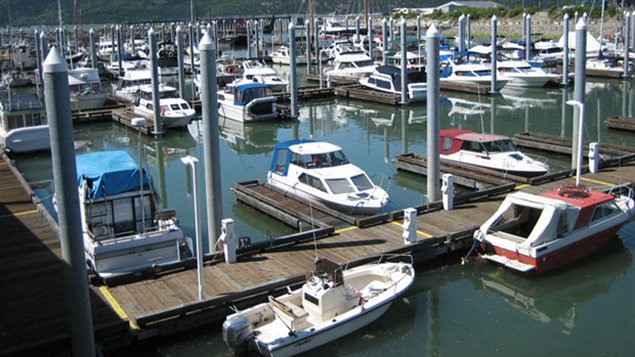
(251, 138)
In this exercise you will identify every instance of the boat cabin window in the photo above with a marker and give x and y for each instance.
(24, 120)
(365, 63)
(168, 94)
(517, 220)
(281, 161)
(312, 181)
(331, 159)
(384, 84)
(499, 146)
(604, 210)
(339, 186)
(251, 94)
(446, 144)
(119, 216)
(362, 182)
(472, 146)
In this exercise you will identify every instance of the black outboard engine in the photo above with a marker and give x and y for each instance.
(237, 334)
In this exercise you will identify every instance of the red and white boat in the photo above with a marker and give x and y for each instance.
(537, 233)
(495, 152)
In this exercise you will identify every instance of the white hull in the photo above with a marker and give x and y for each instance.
(299, 60)
(27, 139)
(243, 114)
(350, 207)
(170, 122)
(327, 334)
(527, 81)
(497, 162)
(88, 101)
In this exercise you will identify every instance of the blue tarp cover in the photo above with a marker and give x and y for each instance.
(110, 172)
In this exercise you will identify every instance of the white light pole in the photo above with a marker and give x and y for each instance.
(578, 169)
(192, 161)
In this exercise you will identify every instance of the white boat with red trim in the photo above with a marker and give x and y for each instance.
(495, 152)
(538, 233)
(334, 302)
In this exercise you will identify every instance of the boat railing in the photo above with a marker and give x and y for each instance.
(108, 235)
(626, 189)
(384, 178)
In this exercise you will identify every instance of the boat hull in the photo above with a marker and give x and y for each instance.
(257, 110)
(545, 260)
(88, 101)
(344, 327)
(27, 139)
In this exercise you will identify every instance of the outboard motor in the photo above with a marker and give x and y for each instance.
(237, 333)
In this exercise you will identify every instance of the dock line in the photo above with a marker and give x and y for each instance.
(115, 305)
(419, 232)
(597, 181)
(17, 214)
(521, 186)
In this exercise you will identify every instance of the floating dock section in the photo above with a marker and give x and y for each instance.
(621, 123)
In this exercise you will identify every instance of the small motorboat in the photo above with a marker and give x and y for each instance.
(175, 112)
(128, 85)
(495, 152)
(538, 233)
(257, 72)
(247, 101)
(332, 303)
(388, 79)
(124, 231)
(85, 89)
(320, 171)
(522, 74)
(350, 66)
(283, 56)
(469, 73)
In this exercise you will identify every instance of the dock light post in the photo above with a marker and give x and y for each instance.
(404, 63)
(578, 150)
(191, 161)
(384, 40)
(432, 68)
(140, 123)
(293, 85)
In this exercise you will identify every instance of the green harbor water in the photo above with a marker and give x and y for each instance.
(452, 310)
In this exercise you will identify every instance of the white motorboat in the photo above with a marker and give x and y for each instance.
(257, 72)
(85, 89)
(23, 126)
(475, 73)
(415, 61)
(129, 84)
(320, 171)
(522, 74)
(123, 230)
(175, 112)
(350, 66)
(388, 79)
(495, 152)
(247, 101)
(538, 233)
(332, 303)
(283, 56)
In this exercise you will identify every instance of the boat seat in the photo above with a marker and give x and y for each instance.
(291, 315)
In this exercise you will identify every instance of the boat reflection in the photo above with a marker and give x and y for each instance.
(251, 138)
(555, 297)
(521, 98)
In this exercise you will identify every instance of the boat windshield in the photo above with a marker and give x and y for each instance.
(253, 93)
(500, 146)
(339, 186)
(364, 63)
(330, 159)
(169, 94)
(362, 182)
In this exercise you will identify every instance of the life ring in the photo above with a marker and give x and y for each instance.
(571, 191)
(231, 70)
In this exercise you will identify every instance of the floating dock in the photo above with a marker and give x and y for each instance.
(562, 145)
(621, 123)
(358, 91)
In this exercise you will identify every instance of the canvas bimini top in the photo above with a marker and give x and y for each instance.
(108, 173)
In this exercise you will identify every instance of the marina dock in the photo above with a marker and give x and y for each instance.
(621, 123)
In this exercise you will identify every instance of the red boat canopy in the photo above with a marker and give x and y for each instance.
(452, 139)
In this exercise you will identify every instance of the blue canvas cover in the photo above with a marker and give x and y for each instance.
(283, 149)
(108, 172)
(248, 92)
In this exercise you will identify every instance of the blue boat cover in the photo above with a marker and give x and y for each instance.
(281, 153)
(248, 92)
(108, 173)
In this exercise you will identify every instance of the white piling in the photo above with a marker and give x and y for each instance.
(447, 190)
(594, 157)
(409, 226)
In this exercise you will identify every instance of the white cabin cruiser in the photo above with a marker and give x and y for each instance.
(320, 171)
(476, 73)
(283, 56)
(388, 79)
(495, 152)
(129, 84)
(332, 303)
(257, 72)
(538, 233)
(123, 230)
(350, 65)
(522, 74)
(175, 112)
(247, 101)
(23, 126)
(85, 89)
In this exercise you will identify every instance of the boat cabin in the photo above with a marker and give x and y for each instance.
(454, 140)
(20, 110)
(245, 93)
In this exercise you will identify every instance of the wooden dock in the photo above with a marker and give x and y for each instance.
(357, 91)
(466, 87)
(33, 303)
(562, 145)
(621, 123)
